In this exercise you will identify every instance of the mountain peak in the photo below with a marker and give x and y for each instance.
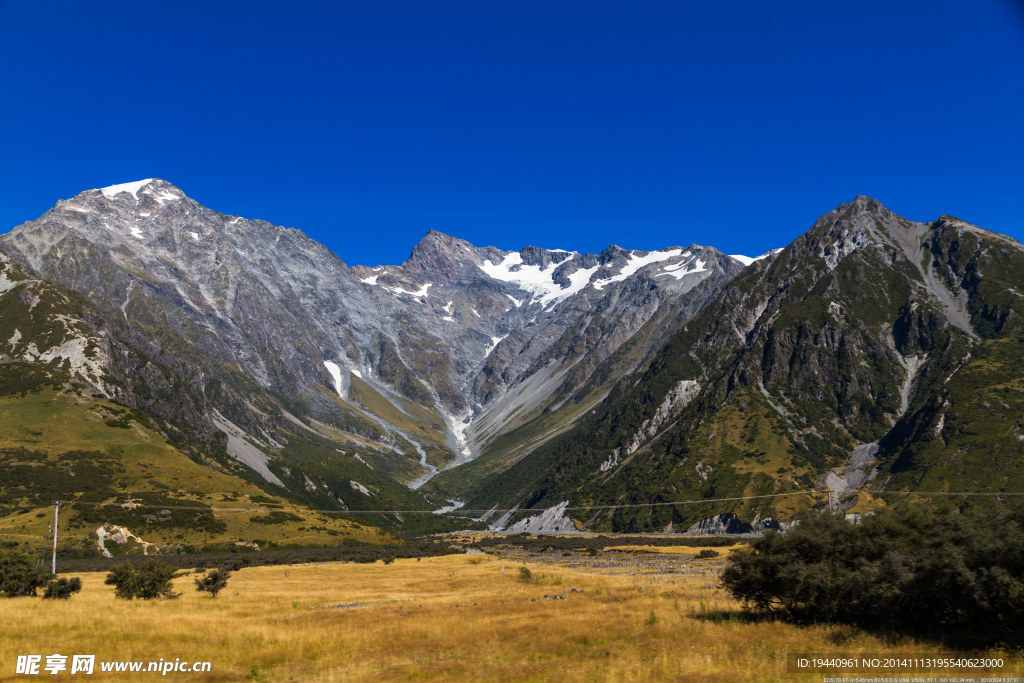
(155, 188)
(436, 238)
(865, 204)
(131, 188)
(438, 253)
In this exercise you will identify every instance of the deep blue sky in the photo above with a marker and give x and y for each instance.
(571, 124)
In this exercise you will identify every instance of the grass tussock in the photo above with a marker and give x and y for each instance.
(443, 618)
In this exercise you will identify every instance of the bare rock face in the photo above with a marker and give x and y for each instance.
(873, 351)
(255, 321)
(550, 521)
(837, 363)
(728, 524)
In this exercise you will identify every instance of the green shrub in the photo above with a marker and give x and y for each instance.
(525, 575)
(19, 575)
(275, 517)
(147, 580)
(707, 553)
(62, 589)
(213, 582)
(954, 575)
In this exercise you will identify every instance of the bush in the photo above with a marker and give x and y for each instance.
(955, 575)
(19, 575)
(213, 582)
(708, 553)
(62, 589)
(275, 517)
(525, 575)
(146, 580)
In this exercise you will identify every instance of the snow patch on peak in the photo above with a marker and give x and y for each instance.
(131, 188)
(537, 280)
(635, 263)
(167, 196)
(534, 279)
(747, 260)
(684, 268)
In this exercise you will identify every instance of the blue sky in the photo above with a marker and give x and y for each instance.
(570, 124)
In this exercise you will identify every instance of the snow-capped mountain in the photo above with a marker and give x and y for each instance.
(414, 367)
(873, 352)
(875, 357)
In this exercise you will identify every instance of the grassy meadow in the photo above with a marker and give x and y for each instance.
(456, 617)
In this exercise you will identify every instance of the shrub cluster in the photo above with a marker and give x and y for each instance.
(551, 543)
(233, 557)
(62, 589)
(148, 579)
(213, 582)
(954, 575)
(19, 575)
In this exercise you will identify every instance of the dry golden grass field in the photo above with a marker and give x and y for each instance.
(644, 614)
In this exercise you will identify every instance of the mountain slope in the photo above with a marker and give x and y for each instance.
(66, 435)
(405, 369)
(827, 366)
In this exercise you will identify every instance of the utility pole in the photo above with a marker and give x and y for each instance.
(56, 510)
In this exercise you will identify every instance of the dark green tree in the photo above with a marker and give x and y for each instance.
(19, 575)
(955, 574)
(62, 589)
(213, 582)
(147, 580)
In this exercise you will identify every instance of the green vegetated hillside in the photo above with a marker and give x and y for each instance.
(968, 432)
(87, 417)
(116, 470)
(573, 399)
(867, 330)
(874, 357)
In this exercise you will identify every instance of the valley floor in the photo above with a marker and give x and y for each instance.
(632, 614)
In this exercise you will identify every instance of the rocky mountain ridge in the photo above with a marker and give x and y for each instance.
(415, 367)
(874, 356)
(819, 369)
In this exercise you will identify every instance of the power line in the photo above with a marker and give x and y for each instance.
(574, 508)
(464, 510)
(945, 493)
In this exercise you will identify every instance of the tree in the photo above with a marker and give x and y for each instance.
(955, 574)
(62, 589)
(19, 575)
(213, 582)
(147, 580)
